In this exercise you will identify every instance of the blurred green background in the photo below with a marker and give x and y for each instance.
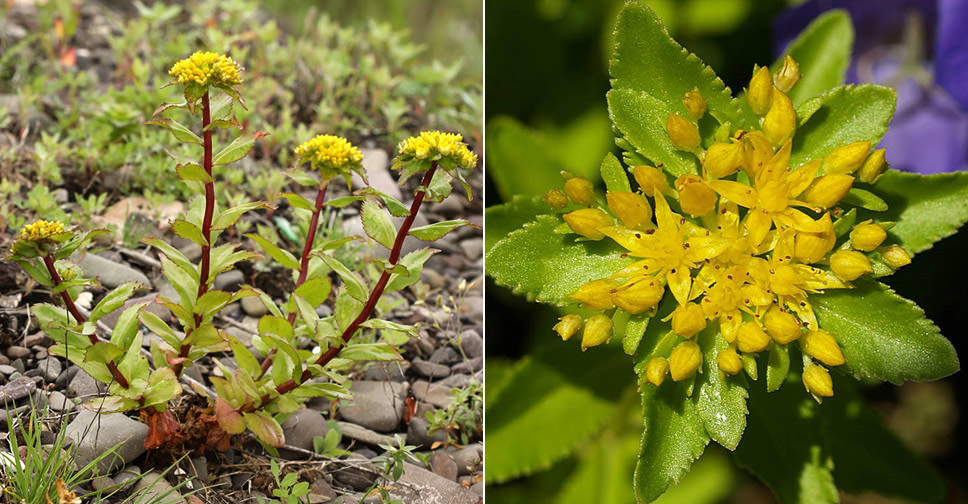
(545, 111)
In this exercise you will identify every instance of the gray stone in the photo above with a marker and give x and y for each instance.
(418, 433)
(455, 381)
(253, 306)
(475, 364)
(127, 477)
(420, 486)
(111, 273)
(443, 465)
(467, 458)
(473, 309)
(59, 402)
(432, 278)
(7, 369)
(445, 355)
(38, 339)
(387, 371)
(302, 426)
(192, 251)
(376, 166)
(433, 393)
(230, 280)
(364, 435)
(19, 352)
(321, 491)
(473, 248)
(430, 369)
(478, 488)
(16, 390)
(84, 386)
(50, 368)
(154, 489)
(251, 325)
(452, 206)
(471, 343)
(95, 434)
(376, 405)
(356, 472)
(198, 469)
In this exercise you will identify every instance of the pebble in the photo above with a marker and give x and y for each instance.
(254, 306)
(59, 402)
(322, 490)
(432, 278)
(356, 472)
(364, 435)
(154, 489)
(445, 355)
(18, 352)
(420, 485)
(418, 435)
(16, 390)
(435, 394)
(230, 280)
(127, 476)
(38, 339)
(376, 405)
(111, 273)
(455, 381)
(430, 369)
(301, 427)
(475, 364)
(443, 465)
(376, 164)
(7, 369)
(66, 377)
(94, 433)
(473, 309)
(387, 371)
(50, 367)
(84, 386)
(198, 469)
(473, 248)
(471, 343)
(467, 458)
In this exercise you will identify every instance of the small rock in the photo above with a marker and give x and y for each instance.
(66, 377)
(452, 206)
(94, 433)
(434, 279)
(420, 485)
(467, 458)
(304, 425)
(127, 477)
(455, 381)
(321, 491)
(475, 364)
(111, 273)
(376, 166)
(433, 393)
(19, 352)
(230, 280)
(59, 402)
(430, 369)
(387, 371)
(84, 386)
(425, 343)
(376, 405)
(418, 433)
(471, 343)
(102, 483)
(16, 390)
(50, 367)
(60, 195)
(478, 488)
(198, 469)
(7, 369)
(191, 250)
(38, 339)
(154, 489)
(473, 309)
(443, 465)
(251, 328)
(473, 248)
(364, 435)
(445, 355)
(356, 472)
(254, 306)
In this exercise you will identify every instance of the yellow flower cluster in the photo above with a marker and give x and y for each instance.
(206, 68)
(41, 230)
(435, 146)
(759, 239)
(331, 155)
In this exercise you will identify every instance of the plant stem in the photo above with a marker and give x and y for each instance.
(203, 279)
(72, 308)
(375, 294)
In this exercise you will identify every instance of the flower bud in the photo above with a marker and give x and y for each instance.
(723, 159)
(849, 264)
(751, 338)
(567, 326)
(847, 158)
(588, 222)
(631, 208)
(867, 236)
(650, 179)
(827, 190)
(688, 319)
(695, 104)
(872, 169)
(639, 295)
(811, 247)
(729, 361)
(683, 133)
(684, 360)
(598, 330)
(695, 197)
(596, 295)
(817, 381)
(822, 346)
(580, 190)
(656, 370)
(788, 75)
(555, 199)
(760, 93)
(782, 326)
(757, 151)
(781, 119)
(895, 256)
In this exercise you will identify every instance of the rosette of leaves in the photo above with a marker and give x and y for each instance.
(542, 408)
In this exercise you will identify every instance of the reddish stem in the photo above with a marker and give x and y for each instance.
(203, 279)
(72, 308)
(370, 305)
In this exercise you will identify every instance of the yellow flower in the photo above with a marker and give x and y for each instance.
(723, 159)
(695, 197)
(752, 338)
(555, 199)
(656, 370)
(596, 295)
(688, 319)
(760, 92)
(873, 167)
(817, 381)
(331, 155)
(598, 330)
(684, 360)
(205, 69)
(438, 146)
(41, 230)
(826, 191)
(588, 222)
(567, 326)
(788, 74)
(781, 119)
(822, 346)
(849, 264)
(631, 208)
(695, 104)
(867, 236)
(847, 158)
(650, 180)
(729, 361)
(683, 133)
(638, 295)
(895, 256)
(781, 326)
(580, 190)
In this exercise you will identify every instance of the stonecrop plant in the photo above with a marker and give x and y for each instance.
(280, 371)
(734, 256)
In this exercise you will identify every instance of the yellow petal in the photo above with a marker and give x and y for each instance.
(867, 236)
(588, 222)
(801, 178)
(751, 338)
(822, 346)
(679, 282)
(631, 208)
(895, 256)
(688, 319)
(758, 223)
(630, 239)
(596, 295)
(580, 190)
(666, 219)
(781, 119)
(729, 361)
(567, 326)
(638, 295)
(760, 92)
(736, 192)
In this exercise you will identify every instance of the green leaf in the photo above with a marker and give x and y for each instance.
(315, 290)
(244, 358)
(298, 201)
(211, 302)
(884, 336)
(228, 218)
(185, 285)
(377, 224)
(869, 457)
(634, 330)
(266, 428)
(822, 52)
(646, 59)
(162, 387)
(370, 351)
(394, 206)
(127, 326)
(114, 299)
(175, 255)
(502, 219)
(926, 208)
(845, 115)
(413, 262)
(235, 150)
(721, 400)
(641, 119)
(673, 437)
(560, 392)
(279, 326)
(192, 171)
(777, 367)
(783, 446)
(436, 230)
(159, 327)
(102, 352)
(189, 231)
(864, 199)
(225, 256)
(354, 285)
(206, 336)
(615, 177)
(549, 267)
(181, 132)
(283, 257)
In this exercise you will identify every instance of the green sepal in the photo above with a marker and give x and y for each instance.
(864, 199)
(615, 177)
(777, 366)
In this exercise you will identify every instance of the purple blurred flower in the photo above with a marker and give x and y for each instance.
(919, 48)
